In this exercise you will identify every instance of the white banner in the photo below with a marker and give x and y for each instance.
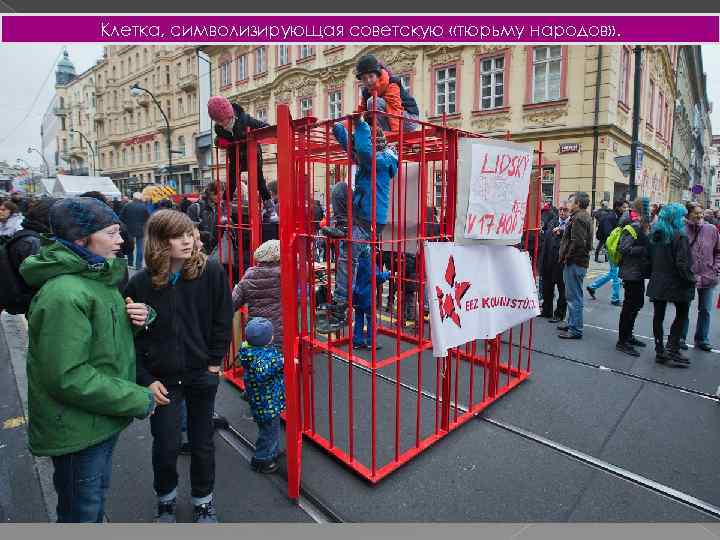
(493, 184)
(476, 292)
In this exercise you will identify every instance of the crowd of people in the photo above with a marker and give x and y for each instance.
(675, 248)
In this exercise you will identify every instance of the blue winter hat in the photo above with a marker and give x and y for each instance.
(259, 332)
(78, 217)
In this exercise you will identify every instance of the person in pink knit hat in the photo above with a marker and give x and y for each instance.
(231, 124)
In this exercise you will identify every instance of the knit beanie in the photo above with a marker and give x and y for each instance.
(268, 252)
(79, 217)
(220, 109)
(259, 332)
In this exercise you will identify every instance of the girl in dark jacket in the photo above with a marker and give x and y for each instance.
(260, 288)
(671, 280)
(179, 354)
(634, 267)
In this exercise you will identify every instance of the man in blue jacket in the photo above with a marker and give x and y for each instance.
(386, 164)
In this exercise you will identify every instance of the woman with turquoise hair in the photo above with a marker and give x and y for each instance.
(671, 280)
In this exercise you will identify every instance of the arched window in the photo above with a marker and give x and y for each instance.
(157, 151)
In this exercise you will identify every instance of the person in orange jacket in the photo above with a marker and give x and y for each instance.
(392, 98)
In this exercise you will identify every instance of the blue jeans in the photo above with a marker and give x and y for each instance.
(267, 446)
(408, 119)
(573, 276)
(340, 294)
(81, 481)
(138, 251)
(611, 275)
(359, 335)
(702, 328)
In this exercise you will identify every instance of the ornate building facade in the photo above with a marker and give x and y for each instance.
(534, 93)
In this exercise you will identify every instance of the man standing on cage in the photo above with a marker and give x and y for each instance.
(332, 317)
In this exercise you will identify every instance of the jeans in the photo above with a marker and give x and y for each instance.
(340, 294)
(612, 275)
(634, 301)
(409, 120)
(681, 316)
(267, 446)
(573, 276)
(196, 391)
(702, 328)
(361, 319)
(81, 481)
(138, 252)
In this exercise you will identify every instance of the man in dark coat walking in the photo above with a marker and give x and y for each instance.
(134, 215)
(550, 268)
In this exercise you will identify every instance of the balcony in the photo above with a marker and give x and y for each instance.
(116, 138)
(61, 111)
(188, 82)
(99, 116)
(128, 105)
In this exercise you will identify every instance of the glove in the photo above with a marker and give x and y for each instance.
(222, 142)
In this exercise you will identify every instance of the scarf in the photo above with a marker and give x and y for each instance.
(95, 262)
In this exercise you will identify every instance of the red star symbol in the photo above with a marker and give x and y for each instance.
(448, 300)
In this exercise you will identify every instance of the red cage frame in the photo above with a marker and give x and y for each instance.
(305, 147)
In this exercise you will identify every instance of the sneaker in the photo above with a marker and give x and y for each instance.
(677, 358)
(265, 467)
(683, 345)
(563, 327)
(166, 512)
(626, 348)
(704, 347)
(569, 335)
(661, 357)
(185, 449)
(556, 319)
(205, 513)
(636, 342)
(591, 292)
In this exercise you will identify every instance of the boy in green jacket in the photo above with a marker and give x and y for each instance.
(81, 357)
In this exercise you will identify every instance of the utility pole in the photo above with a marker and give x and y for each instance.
(632, 187)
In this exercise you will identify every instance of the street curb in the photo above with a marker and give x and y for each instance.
(14, 328)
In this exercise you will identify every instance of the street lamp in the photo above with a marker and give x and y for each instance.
(32, 149)
(83, 137)
(136, 90)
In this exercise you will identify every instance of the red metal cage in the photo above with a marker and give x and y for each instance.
(374, 410)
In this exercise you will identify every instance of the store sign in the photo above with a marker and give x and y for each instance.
(139, 139)
(569, 148)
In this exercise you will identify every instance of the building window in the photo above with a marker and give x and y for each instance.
(283, 55)
(111, 159)
(147, 152)
(181, 146)
(548, 182)
(717, 203)
(335, 104)
(306, 51)
(667, 121)
(124, 156)
(157, 151)
(661, 106)
(260, 60)
(180, 110)
(547, 66)
(261, 114)
(445, 91)
(306, 106)
(492, 82)
(624, 80)
(242, 70)
(651, 115)
(438, 192)
(224, 74)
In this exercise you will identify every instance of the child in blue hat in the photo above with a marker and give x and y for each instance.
(262, 363)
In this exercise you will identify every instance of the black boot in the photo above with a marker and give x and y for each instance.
(660, 354)
(675, 356)
(331, 317)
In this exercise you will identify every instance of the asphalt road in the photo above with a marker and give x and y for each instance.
(593, 435)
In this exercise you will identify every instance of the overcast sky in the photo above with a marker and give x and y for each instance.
(29, 72)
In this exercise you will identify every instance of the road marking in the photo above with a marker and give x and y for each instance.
(12, 423)
(716, 351)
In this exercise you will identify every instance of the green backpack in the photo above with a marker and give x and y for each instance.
(612, 244)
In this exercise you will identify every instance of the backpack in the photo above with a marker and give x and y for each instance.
(612, 244)
(408, 101)
(15, 294)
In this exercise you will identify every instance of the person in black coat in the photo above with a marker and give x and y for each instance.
(634, 270)
(134, 215)
(671, 280)
(180, 351)
(550, 268)
(231, 126)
